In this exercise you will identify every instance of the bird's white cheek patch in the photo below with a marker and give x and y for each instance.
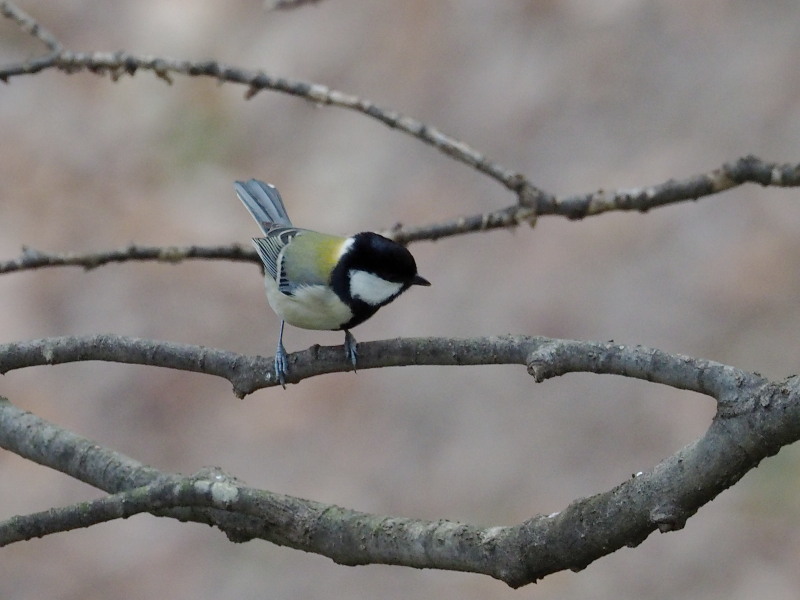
(372, 289)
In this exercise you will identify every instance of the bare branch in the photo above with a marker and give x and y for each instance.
(764, 417)
(544, 358)
(189, 492)
(29, 25)
(290, 4)
(246, 374)
(749, 169)
(505, 218)
(531, 201)
(34, 259)
(755, 417)
(117, 64)
(559, 357)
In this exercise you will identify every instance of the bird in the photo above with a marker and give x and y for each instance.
(319, 281)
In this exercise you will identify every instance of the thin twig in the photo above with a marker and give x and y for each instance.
(120, 63)
(29, 25)
(31, 259)
(749, 169)
(290, 4)
(531, 201)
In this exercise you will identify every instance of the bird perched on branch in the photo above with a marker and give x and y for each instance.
(320, 281)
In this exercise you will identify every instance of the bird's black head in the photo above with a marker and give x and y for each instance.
(372, 272)
(385, 258)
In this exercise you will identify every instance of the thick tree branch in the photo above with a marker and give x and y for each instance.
(246, 374)
(555, 357)
(761, 419)
(544, 358)
(755, 417)
(164, 494)
(250, 373)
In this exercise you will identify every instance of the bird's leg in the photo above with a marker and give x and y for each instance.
(350, 347)
(281, 360)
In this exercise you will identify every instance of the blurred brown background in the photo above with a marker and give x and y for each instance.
(576, 94)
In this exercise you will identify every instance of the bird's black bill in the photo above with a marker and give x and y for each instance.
(419, 280)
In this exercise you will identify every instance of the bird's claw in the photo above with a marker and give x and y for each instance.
(281, 365)
(350, 348)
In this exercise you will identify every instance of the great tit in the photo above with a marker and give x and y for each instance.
(320, 281)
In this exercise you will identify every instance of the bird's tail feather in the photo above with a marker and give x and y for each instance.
(264, 203)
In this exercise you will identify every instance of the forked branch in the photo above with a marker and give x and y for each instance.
(531, 202)
(755, 419)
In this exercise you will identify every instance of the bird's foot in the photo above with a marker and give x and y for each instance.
(281, 365)
(350, 348)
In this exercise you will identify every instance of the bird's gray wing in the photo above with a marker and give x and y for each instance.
(269, 249)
